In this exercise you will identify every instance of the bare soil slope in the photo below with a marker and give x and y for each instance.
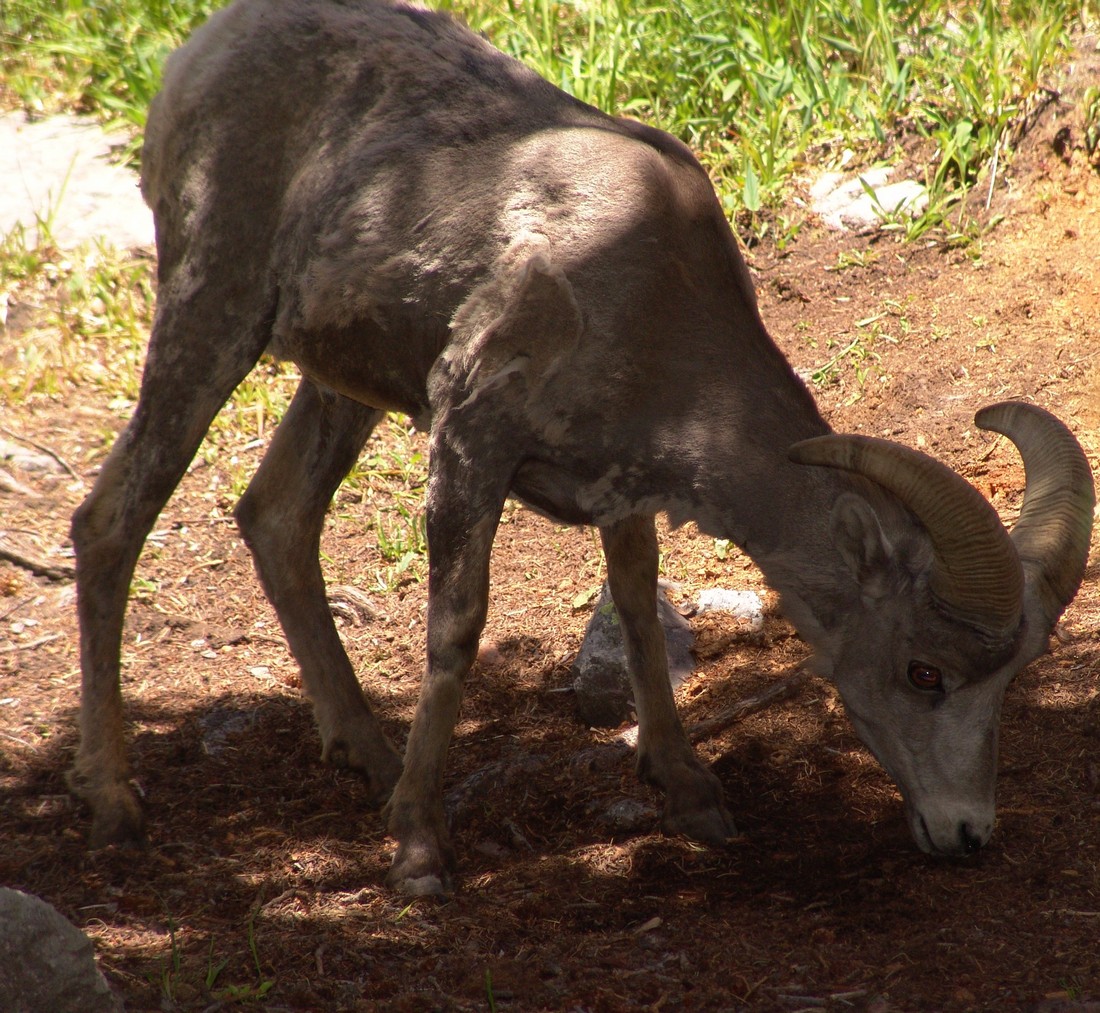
(263, 878)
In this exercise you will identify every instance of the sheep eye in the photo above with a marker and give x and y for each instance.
(925, 677)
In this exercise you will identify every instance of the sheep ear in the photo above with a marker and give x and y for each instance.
(858, 537)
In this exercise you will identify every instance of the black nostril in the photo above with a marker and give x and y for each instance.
(971, 841)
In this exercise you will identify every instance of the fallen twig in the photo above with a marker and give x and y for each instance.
(352, 605)
(807, 1001)
(41, 448)
(777, 691)
(29, 644)
(37, 566)
(993, 174)
(15, 738)
(992, 448)
(9, 483)
(16, 607)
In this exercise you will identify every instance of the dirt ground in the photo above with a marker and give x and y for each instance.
(263, 879)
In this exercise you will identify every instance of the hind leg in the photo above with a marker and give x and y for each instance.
(281, 516)
(198, 353)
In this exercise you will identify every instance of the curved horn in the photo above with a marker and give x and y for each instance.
(1053, 532)
(976, 573)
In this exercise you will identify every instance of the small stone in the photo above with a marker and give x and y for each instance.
(467, 798)
(606, 756)
(627, 816)
(25, 459)
(220, 725)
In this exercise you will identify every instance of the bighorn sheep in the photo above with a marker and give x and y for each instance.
(424, 225)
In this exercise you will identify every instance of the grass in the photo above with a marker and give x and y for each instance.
(100, 58)
(759, 89)
(176, 975)
(94, 330)
(756, 89)
(1092, 121)
(390, 477)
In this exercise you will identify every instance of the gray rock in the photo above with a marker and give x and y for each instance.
(600, 680)
(627, 816)
(222, 724)
(58, 170)
(467, 798)
(48, 963)
(602, 757)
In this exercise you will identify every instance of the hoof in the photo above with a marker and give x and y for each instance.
(698, 812)
(380, 767)
(421, 886)
(422, 871)
(707, 826)
(116, 815)
(122, 825)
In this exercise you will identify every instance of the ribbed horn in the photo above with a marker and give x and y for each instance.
(976, 574)
(1055, 526)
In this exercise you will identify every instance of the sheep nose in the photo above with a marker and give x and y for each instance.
(970, 839)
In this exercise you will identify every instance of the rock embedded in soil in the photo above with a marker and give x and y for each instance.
(739, 604)
(222, 724)
(866, 201)
(466, 799)
(629, 816)
(48, 963)
(25, 459)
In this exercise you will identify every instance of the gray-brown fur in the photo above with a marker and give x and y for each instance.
(423, 225)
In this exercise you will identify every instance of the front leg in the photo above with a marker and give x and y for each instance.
(693, 795)
(462, 521)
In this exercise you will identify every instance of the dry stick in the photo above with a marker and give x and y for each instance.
(30, 644)
(9, 483)
(992, 448)
(749, 705)
(16, 607)
(15, 738)
(993, 174)
(37, 566)
(42, 449)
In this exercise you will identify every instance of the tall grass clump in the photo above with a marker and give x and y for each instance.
(757, 89)
(102, 57)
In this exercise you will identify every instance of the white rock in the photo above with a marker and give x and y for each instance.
(844, 203)
(741, 604)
